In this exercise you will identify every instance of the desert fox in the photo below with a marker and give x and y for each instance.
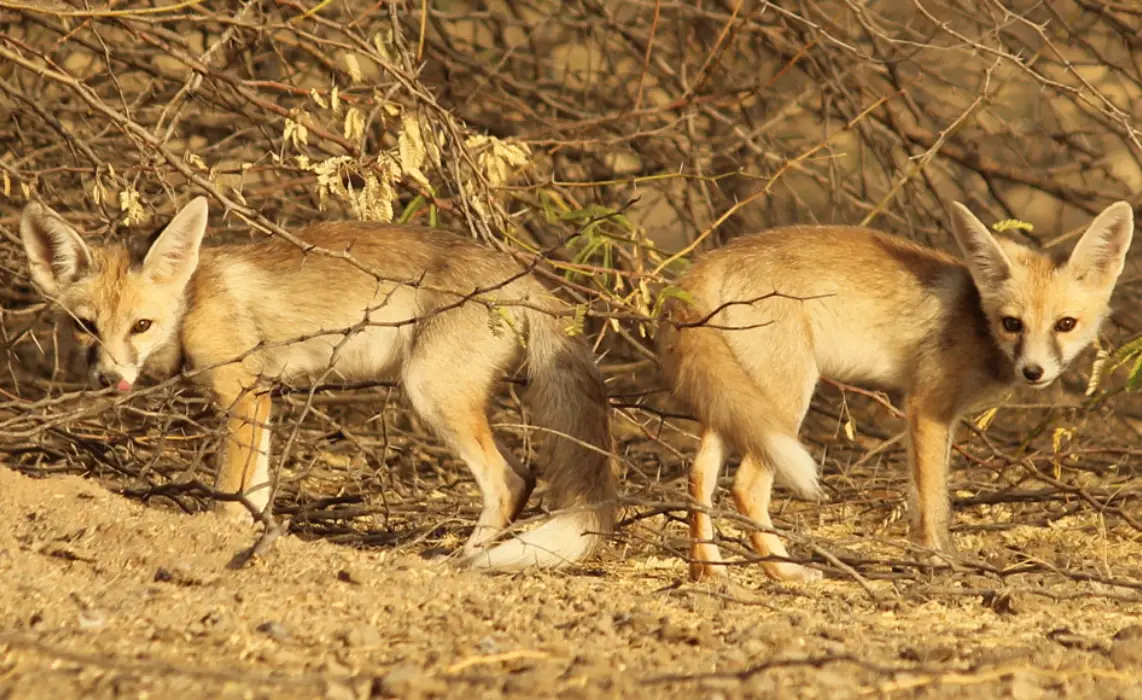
(250, 314)
(771, 313)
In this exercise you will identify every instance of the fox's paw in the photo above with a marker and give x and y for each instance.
(706, 563)
(938, 542)
(953, 561)
(234, 512)
(788, 571)
(941, 553)
(439, 557)
(701, 571)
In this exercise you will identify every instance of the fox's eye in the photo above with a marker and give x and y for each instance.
(1066, 324)
(1012, 324)
(141, 326)
(86, 325)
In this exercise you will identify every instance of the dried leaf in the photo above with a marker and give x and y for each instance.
(1097, 369)
(353, 66)
(477, 202)
(328, 176)
(375, 202)
(354, 126)
(194, 159)
(98, 191)
(131, 206)
(496, 157)
(1059, 435)
(434, 147)
(301, 133)
(295, 132)
(1010, 224)
(382, 41)
(410, 145)
(984, 420)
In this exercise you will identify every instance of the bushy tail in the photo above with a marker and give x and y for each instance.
(707, 377)
(569, 404)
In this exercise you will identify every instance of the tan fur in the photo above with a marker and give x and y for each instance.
(252, 315)
(775, 311)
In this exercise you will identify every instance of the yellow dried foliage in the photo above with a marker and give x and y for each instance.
(410, 145)
(497, 158)
(131, 206)
(353, 127)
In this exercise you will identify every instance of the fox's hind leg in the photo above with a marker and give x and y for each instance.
(791, 391)
(753, 486)
(449, 379)
(704, 555)
(523, 472)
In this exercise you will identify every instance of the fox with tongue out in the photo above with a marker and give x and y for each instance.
(246, 316)
(118, 346)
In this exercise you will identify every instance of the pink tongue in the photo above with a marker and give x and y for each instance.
(123, 386)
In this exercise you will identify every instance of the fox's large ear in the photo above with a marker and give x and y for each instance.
(57, 254)
(173, 257)
(986, 261)
(1100, 254)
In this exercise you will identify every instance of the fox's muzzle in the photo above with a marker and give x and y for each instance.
(112, 378)
(104, 372)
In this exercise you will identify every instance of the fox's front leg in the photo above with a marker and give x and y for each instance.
(245, 454)
(929, 444)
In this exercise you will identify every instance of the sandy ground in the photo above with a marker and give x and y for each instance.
(102, 596)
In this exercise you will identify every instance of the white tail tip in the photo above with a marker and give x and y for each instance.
(565, 539)
(795, 467)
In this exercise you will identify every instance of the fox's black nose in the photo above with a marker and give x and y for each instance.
(1033, 372)
(107, 379)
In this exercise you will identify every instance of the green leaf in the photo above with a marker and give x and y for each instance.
(1134, 380)
(413, 207)
(1127, 351)
(498, 317)
(597, 214)
(550, 213)
(578, 322)
(671, 292)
